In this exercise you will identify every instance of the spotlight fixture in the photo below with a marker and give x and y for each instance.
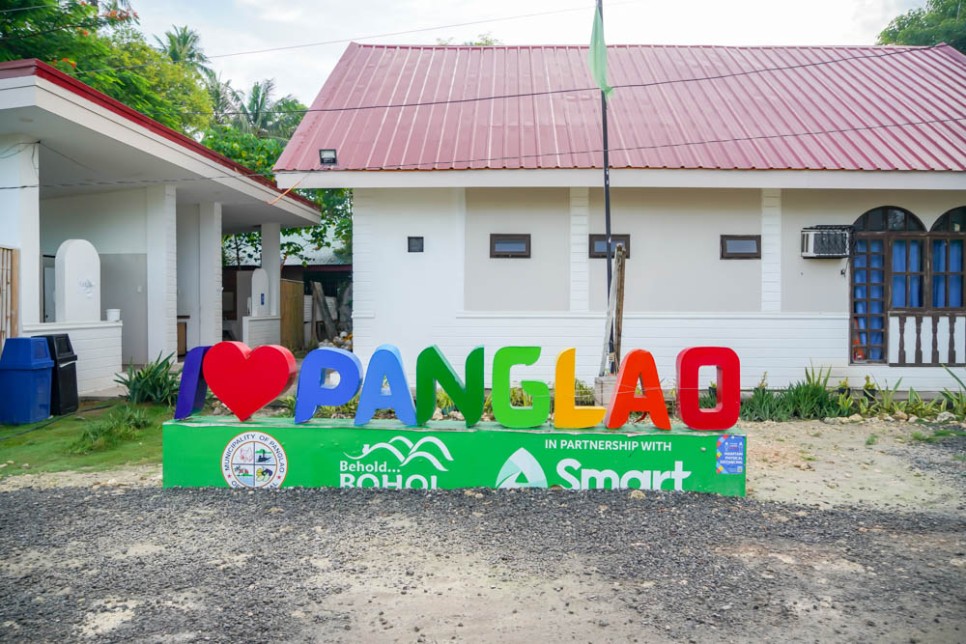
(327, 157)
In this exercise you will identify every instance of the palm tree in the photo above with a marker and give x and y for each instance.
(254, 111)
(183, 45)
(264, 117)
(225, 99)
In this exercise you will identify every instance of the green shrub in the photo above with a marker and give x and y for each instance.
(956, 400)
(347, 410)
(120, 424)
(287, 406)
(810, 400)
(154, 382)
(444, 401)
(583, 394)
(765, 405)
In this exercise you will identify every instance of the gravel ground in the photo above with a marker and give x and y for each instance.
(116, 562)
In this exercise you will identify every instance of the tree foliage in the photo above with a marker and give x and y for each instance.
(939, 21)
(183, 45)
(145, 79)
(58, 33)
(260, 154)
(482, 40)
(98, 44)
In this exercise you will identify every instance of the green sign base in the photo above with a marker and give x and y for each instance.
(266, 453)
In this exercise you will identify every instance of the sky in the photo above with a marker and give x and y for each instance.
(228, 27)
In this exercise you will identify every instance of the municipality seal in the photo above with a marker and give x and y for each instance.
(254, 460)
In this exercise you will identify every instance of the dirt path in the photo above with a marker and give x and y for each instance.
(842, 538)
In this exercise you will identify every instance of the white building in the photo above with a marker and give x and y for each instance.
(478, 202)
(76, 164)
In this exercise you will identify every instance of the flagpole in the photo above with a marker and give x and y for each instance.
(607, 230)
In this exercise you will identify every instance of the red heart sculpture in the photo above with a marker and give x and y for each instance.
(246, 380)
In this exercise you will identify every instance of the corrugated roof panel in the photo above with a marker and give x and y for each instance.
(809, 108)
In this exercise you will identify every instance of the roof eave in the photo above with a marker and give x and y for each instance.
(628, 178)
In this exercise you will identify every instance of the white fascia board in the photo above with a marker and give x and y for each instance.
(66, 104)
(18, 91)
(627, 178)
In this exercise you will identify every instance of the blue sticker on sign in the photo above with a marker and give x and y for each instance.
(731, 455)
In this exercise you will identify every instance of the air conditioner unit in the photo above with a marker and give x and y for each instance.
(826, 241)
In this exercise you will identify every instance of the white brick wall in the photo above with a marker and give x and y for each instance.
(579, 260)
(98, 349)
(162, 262)
(771, 247)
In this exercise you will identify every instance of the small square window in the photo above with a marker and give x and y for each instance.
(509, 245)
(598, 244)
(741, 247)
(415, 244)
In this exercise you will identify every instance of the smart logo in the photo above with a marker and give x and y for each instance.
(521, 470)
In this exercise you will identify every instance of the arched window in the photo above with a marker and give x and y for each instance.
(947, 237)
(900, 270)
(887, 273)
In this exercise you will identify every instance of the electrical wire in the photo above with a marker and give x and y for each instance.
(369, 37)
(508, 157)
(576, 89)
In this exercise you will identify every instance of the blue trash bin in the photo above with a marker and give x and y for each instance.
(25, 376)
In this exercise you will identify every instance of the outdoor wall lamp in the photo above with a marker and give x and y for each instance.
(327, 157)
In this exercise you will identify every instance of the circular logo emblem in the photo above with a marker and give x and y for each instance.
(254, 460)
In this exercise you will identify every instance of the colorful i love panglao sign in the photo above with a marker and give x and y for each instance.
(580, 449)
(246, 380)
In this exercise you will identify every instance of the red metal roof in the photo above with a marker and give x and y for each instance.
(390, 107)
(40, 69)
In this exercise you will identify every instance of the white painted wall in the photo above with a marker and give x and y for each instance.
(675, 262)
(401, 297)
(189, 269)
(272, 265)
(538, 283)
(414, 300)
(115, 222)
(209, 273)
(98, 349)
(818, 285)
(161, 229)
(20, 219)
(77, 284)
(579, 261)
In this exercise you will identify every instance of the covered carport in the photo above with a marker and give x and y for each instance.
(76, 164)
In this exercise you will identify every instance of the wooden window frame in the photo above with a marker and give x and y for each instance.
(886, 299)
(725, 254)
(417, 238)
(622, 240)
(496, 238)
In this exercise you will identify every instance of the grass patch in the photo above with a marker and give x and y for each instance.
(871, 440)
(98, 437)
(937, 435)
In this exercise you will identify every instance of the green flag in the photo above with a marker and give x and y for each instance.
(597, 56)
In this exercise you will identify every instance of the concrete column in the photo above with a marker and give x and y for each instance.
(272, 263)
(162, 270)
(20, 218)
(210, 272)
(771, 250)
(579, 261)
